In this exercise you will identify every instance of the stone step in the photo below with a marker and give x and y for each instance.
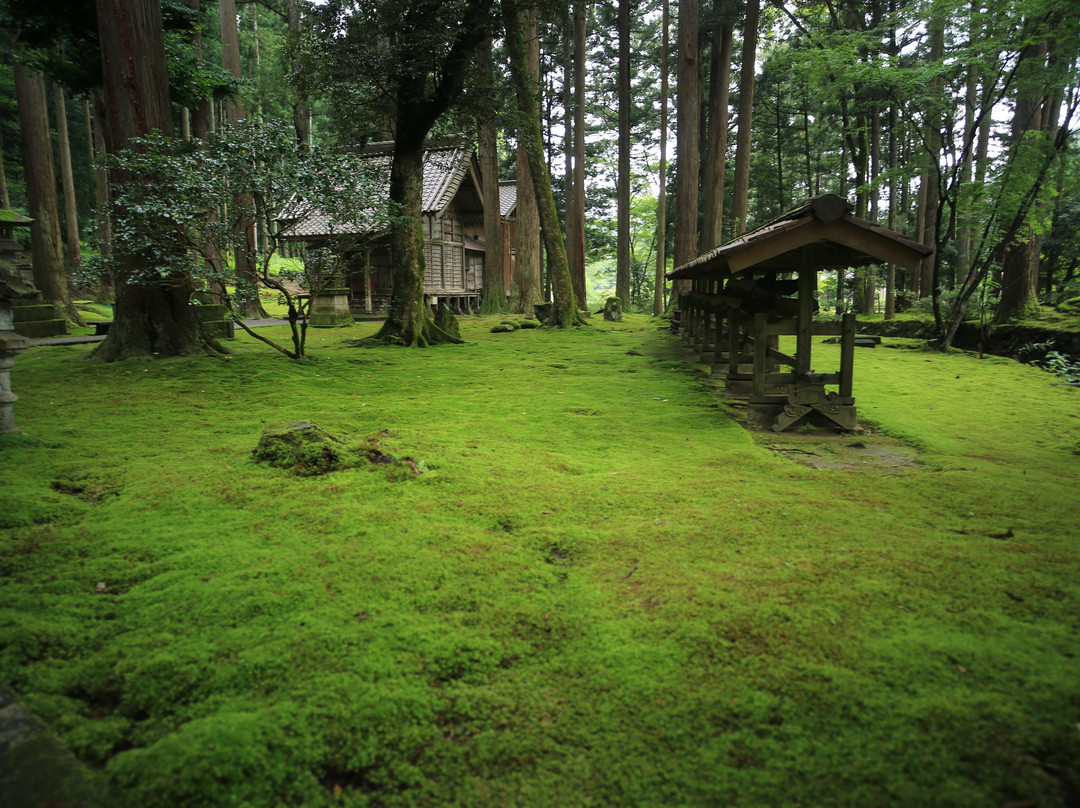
(33, 311)
(42, 329)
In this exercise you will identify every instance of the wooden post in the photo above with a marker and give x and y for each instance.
(367, 280)
(847, 354)
(761, 352)
(805, 330)
(734, 348)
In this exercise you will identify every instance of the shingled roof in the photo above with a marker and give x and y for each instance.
(839, 240)
(446, 165)
(507, 197)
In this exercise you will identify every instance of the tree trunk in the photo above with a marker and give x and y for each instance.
(716, 158)
(576, 246)
(151, 316)
(494, 299)
(49, 274)
(301, 120)
(67, 180)
(5, 199)
(1019, 265)
(746, 113)
(525, 293)
(661, 200)
(248, 305)
(564, 311)
(688, 139)
(622, 253)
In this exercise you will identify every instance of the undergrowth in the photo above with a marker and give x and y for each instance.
(601, 590)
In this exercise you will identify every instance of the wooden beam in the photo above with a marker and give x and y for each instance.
(878, 245)
(773, 245)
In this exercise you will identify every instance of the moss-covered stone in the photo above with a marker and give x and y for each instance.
(502, 328)
(302, 447)
(514, 324)
(529, 323)
(307, 450)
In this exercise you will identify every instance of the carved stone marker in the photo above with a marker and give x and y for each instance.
(613, 309)
(12, 287)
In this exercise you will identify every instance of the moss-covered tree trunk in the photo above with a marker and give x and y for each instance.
(564, 310)
(494, 300)
(50, 276)
(152, 316)
(409, 320)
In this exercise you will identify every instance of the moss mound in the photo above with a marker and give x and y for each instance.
(308, 450)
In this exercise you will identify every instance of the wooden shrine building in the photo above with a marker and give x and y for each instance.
(747, 293)
(453, 227)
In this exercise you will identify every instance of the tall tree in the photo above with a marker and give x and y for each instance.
(576, 212)
(405, 61)
(67, 180)
(688, 134)
(716, 154)
(525, 293)
(661, 199)
(49, 273)
(740, 200)
(247, 297)
(494, 299)
(564, 312)
(622, 262)
(151, 316)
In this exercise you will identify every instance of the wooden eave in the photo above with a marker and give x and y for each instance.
(839, 240)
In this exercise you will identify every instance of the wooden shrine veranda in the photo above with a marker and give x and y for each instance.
(751, 291)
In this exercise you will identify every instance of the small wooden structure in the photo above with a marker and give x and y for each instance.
(747, 293)
(453, 226)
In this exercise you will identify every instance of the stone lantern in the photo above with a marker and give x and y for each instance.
(12, 287)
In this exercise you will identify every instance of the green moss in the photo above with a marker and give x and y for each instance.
(604, 591)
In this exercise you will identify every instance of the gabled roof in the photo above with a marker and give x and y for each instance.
(839, 240)
(446, 166)
(507, 197)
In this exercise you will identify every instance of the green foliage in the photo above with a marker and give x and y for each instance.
(175, 211)
(545, 618)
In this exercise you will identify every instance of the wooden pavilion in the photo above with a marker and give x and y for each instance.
(749, 292)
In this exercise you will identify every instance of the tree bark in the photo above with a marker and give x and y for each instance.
(67, 181)
(564, 312)
(687, 138)
(622, 252)
(151, 316)
(301, 119)
(50, 276)
(525, 293)
(417, 107)
(716, 157)
(494, 299)
(741, 197)
(248, 305)
(661, 200)
(576, 246)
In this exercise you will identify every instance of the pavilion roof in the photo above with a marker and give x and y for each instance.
(825, 223)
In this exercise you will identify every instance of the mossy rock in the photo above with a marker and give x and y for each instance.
(527, 323)
(304, 448)
(502, 328)
(308, 450)
(514, 324)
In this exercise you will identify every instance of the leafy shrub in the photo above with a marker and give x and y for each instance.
(1044, 355)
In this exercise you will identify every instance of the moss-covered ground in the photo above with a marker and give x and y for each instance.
(599, 589)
